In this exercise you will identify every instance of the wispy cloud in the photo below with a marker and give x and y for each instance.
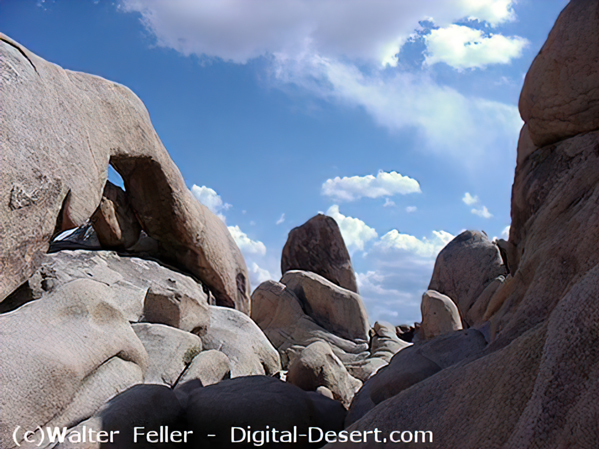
(281, 219)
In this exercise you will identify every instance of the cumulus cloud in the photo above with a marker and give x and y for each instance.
(322, 47)
(209, 198)
(356, 187)
(258, 274)
(246, 245)
(469, 200)
(411, 209)
(355, 232)
(425, 247)
(238, 30)
(281, 220)
(505, 234)
(482, 212)
(389, 203)
(462, 47)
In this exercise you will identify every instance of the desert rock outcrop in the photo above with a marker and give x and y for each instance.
(464, 268)
(55, 165)
(560, 97)
(318, 246)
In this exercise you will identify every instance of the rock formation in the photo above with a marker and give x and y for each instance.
(318, 246)
(464, 268)
(536, 383)
(559, 96)
(110, 341)
(440, 315)
(55, 165)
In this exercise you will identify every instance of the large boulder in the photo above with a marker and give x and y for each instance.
(317, 366)
(336, 309)
(258, 403)
(55, 164)
(440, 315)
(63, 356)
(278, 312)
(560, 96)
(129, 278)
(414, 364)
(464, 268)
(242, 341)
(209, 367)
(114, 221)
(318, 246)
(170, 351)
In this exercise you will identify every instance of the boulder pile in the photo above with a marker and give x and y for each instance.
(130, 308)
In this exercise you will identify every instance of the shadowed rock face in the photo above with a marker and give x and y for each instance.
(54, 168)
(318, 246)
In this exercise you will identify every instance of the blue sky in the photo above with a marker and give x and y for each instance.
(398, 118)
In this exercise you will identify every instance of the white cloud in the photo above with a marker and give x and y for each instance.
(482, 212)
(411, 209)
(321, 46)
(354, 231)
(469, 200)
(446, 122)
(425, 248)
(246, 245)
(462, 47)
(505, 234)
(238, 30)
(258, 275)
(388, 203)
(209, 198)
(356, 187)
(371, 282)
(281, 220)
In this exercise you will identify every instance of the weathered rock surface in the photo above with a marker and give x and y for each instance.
(414, 364)
(257, 401)
(464, 268)
(129, 278)
(560, 97)
(317, 366)
(63, 356)
(167, 305)
(170, 351)
(553, 231)
(278, 312)
(537, 384)
(440, 315)
(209, 367)
(384, 344)
(242, 341)
(336, 309)
(317, 246)
(114, 221)
(54, 168)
